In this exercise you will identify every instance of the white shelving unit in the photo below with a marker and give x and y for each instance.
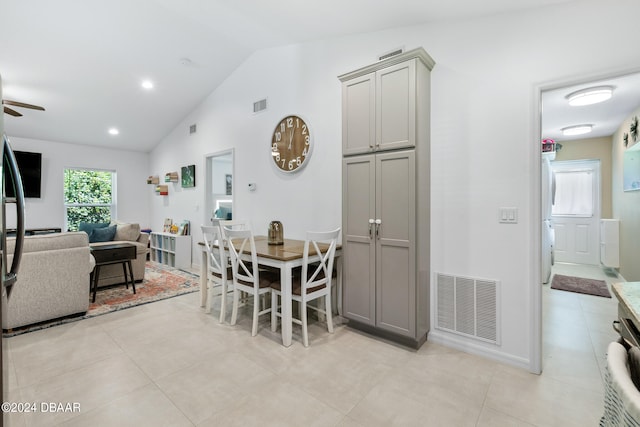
(610, 243)
(171, 249)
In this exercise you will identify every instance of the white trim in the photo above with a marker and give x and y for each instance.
(535, 276)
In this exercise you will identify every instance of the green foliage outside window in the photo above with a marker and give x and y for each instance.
(88, 196)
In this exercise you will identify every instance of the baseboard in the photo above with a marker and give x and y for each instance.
(390, 336)
(459, 343)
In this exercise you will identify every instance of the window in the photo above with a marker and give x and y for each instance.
(574, 193)
(89, 196)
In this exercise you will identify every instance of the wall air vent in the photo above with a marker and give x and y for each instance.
(394, 52)
(259, 106)
(192, 129)
(468, 306)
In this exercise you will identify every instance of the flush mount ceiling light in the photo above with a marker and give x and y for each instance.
(589, 96)
(147, 84)
(576, 130)
(113, 131)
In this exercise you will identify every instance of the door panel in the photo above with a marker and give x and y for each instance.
(358, 116)
(577, 237)
(394, 311)
(396, 106)
(358, 174)
(395, 242)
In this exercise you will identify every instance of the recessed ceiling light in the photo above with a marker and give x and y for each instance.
(147, 84)
(592, 95)
(576, 130)
(113, 131)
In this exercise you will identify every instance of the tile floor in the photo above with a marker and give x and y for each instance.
(170, 364)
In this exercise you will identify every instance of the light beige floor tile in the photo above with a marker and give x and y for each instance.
(599, 321)
(146, 406)
(279, 404)
(492, 418)
(459, 364)
(339, 381)
(349, 422)
(543, 401)
(37, 360)
(401, 400)
(573, 367)
(90, 387)
(177, 350)
(221, 380)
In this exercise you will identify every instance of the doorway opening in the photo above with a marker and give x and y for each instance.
(219, 201)
(552, 323)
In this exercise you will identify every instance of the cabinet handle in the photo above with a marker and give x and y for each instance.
(378, 223)
(371, 222)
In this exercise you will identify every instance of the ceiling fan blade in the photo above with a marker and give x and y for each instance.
(22, 104)
(12, 112)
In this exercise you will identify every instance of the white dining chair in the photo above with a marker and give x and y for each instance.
(314, 282)
(247, 277)
(218, 267)
(234, 224)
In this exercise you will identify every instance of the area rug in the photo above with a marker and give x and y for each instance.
(580, 285)
(160, 282)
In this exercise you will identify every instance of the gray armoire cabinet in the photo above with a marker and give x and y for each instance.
(385, 197)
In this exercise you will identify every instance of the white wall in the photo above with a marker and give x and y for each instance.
(483, 127)
(131, 171)
(626, 204)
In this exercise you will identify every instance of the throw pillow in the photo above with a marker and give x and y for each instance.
(105, 234)
(88, 227)
(634, 365)
(127, 232)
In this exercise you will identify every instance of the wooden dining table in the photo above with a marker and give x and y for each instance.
(284, 257)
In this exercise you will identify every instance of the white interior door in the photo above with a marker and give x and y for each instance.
(576, 211)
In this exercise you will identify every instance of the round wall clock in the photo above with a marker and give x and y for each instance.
(291, 144)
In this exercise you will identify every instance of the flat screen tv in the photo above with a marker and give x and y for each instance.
(30, 167)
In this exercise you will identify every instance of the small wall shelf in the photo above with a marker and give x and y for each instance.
(171, 249)
(162, 190)
(153, 180)
(171, 177)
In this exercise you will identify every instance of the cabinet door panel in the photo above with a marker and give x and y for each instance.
(396, 106)
(358, 115)
(395, 242)
(395, 193)
(394, 312)
(358, 206)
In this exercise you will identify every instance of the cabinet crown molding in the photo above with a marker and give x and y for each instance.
(418, 53)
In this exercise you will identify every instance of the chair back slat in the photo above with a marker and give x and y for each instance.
(234, 224)
(318, 273)
(218, 262)
(241, 242)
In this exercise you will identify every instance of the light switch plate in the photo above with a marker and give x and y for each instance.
(508, 215)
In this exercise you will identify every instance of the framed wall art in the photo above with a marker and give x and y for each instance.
(189, 176)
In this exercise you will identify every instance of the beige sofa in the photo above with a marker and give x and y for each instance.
(53, 279)
(125, 233)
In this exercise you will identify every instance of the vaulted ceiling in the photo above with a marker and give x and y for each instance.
(84, 61)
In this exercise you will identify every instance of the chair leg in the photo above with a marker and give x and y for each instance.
(256, 310)
(223, 301)
(328, 313)
(234, 313)
(274, 311)
(209, 297)
(303, 318)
